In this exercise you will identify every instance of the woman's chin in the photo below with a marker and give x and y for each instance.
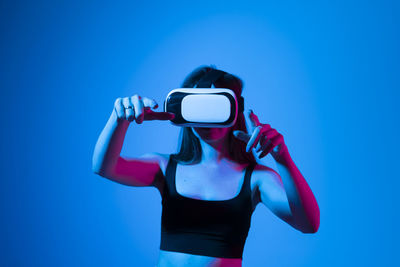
(211, 134)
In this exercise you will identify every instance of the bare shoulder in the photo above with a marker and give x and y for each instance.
(263, 169)
(162, 160)
(263, 174)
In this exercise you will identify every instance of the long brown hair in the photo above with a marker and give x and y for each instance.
(190, 151)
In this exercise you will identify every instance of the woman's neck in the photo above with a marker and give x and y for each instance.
(214, 152)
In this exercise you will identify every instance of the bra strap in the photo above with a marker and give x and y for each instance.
(169, 172)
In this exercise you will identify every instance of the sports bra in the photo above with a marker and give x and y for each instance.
(216, 228)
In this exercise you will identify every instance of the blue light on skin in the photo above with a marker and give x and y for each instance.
(213, 141)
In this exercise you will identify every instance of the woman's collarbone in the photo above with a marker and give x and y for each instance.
(203, 183)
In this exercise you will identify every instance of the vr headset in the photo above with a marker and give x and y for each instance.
(204, 106)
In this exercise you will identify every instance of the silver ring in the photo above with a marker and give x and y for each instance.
(129, 107)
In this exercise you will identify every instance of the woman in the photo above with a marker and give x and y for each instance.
(211, 187)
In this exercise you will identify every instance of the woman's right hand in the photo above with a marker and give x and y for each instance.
(139, 109)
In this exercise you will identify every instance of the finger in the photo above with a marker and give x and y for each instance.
(268, 148)
(119, 108)
(241, 135)
(274, 142)
(266, 128)
(148, 102)
(253, 139)
(163, 116)
(140, 115)
(256, 142)
(261, 143)
(265, 143)
(254, 119)
(138, 105)
(128, 112)
(271, 133)
(267, 133)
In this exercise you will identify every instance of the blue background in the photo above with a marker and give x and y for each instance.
(323, 73)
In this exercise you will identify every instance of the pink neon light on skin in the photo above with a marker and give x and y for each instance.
(305, 214)
(293, 200)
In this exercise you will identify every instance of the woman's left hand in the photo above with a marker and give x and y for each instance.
(264, 139)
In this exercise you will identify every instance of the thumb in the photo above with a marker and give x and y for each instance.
(241, 135)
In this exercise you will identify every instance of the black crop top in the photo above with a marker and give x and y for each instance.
(216, 228)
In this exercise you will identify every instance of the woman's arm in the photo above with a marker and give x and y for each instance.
(302, 202)
(287, 194)
(109, 145)
(107, 161)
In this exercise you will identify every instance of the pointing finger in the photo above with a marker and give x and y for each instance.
(254, 119)
(151, 115)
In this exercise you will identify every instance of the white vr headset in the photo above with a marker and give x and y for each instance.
(204, 106)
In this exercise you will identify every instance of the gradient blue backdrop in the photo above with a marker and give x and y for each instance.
(323, 73)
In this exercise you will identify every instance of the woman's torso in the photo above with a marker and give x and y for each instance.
(206, 182)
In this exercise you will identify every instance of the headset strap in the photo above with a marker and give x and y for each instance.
(210, 78)
(241, 104)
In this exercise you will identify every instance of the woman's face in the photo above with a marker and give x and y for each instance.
(210, 134)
